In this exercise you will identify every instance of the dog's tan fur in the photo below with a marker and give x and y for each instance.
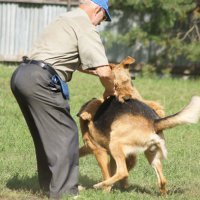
(124, 139)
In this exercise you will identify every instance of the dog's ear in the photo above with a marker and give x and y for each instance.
(128, 61)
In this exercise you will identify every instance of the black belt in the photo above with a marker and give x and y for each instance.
(55, 79)
(42, 64)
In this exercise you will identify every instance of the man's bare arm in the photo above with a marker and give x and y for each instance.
(106, 77)
(88, 71)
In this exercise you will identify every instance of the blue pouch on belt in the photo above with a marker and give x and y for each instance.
(55, 79)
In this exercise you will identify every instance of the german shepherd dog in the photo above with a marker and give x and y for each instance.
(115, 130)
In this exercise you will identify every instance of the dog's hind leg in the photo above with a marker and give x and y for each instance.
(100, 154)
(121, 169)
(84, 150)
(103, 161)
(130, 163)
(102, 158)
(155, 162)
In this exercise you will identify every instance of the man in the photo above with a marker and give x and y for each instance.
(69, 43)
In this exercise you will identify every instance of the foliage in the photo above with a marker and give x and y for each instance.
(170, 27)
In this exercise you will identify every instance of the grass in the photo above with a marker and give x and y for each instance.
(18, 177)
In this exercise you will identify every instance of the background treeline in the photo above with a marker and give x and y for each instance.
(166, 31)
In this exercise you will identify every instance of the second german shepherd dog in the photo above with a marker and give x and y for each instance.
(125, 124)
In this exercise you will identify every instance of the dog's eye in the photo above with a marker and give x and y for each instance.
(126, 66)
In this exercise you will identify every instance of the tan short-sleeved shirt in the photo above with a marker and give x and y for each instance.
(69, 42)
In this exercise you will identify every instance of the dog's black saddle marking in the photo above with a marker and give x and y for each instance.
(111, 109)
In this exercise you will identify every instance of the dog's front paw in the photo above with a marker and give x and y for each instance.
(163, 191)
(121, 99)
(98, 185)
(86, 116)
(102, 186)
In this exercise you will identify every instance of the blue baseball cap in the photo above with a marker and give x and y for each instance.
(104, 5)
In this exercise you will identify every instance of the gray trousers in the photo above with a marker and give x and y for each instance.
(54, 132)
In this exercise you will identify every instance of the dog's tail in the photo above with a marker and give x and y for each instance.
(189, 115)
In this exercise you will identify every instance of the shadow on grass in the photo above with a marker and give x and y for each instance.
(139, 189)
(31, 184)
(153, 191)
(176, 190)
(24, 183)
(88, 183)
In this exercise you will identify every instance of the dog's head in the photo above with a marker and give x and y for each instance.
(121, 71)
(122, 77)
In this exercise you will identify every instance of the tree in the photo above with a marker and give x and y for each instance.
(171, 28)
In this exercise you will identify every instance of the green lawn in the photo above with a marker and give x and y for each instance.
(18, 177)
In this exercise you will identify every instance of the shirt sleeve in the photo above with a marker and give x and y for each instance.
(91, 50)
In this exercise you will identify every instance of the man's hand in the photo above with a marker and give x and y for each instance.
(107, 79)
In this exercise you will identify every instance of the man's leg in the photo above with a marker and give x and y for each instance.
(53, 130)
